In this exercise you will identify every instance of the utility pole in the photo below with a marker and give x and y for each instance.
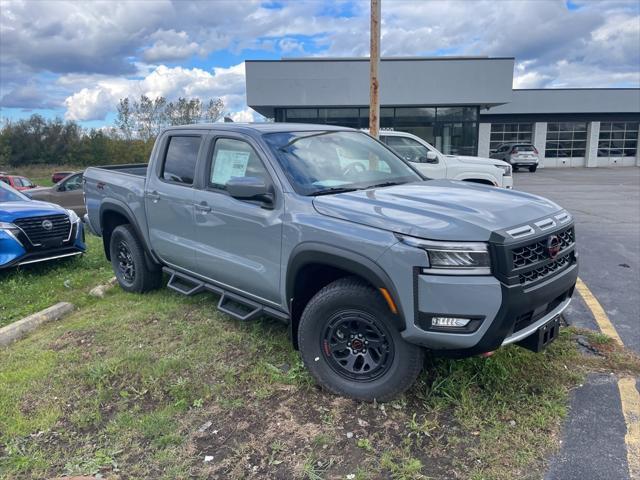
(374, 63)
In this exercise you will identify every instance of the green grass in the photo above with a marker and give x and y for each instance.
(146, 386)
(31, 288)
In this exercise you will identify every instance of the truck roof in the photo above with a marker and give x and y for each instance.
(259, 127)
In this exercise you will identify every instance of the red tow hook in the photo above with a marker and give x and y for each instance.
(487, 354)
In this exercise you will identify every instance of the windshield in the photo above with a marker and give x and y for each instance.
(318, 162)
(8, 194)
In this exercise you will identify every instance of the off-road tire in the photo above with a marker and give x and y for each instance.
(352, 295)
(533, 168)
(144, 279)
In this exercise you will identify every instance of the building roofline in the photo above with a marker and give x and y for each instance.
(384, 59)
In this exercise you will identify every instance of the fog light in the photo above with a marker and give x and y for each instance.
(449, 322)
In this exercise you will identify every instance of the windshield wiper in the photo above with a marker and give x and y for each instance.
(329, 191)
(317, 134)
(385, 184)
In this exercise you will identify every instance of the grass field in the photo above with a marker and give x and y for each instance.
(163, 386)
(31, 288)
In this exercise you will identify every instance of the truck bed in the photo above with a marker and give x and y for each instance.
(122, 185)
(139, 169)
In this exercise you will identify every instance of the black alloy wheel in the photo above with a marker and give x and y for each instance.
(126, 265)
(357, 346)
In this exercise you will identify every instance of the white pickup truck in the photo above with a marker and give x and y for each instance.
(434, 164)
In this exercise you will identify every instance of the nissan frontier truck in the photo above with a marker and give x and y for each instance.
(325, 228)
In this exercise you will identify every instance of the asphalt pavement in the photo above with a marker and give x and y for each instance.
(606, 205)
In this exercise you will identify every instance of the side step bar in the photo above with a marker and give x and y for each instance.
(236, 306)
(184, 285)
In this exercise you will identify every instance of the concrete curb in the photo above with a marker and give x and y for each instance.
(16, 330)
(100, 290)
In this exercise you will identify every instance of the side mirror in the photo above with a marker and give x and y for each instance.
(61, 188)
(431, 157)
(250, 188)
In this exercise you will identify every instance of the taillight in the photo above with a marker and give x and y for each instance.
(535, 150)
(514, 150)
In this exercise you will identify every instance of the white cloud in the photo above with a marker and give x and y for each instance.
(171, 45)
(93, 103)
(88, 104)
(93, 53)
(246, 115)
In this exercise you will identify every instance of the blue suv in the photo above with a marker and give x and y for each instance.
(33, 231)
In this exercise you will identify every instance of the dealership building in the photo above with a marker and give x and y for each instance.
(461, 105)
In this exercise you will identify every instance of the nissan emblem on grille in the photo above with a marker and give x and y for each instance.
(47, 224)
(553, 246)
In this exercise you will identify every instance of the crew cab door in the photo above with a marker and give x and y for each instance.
(169, 197)
(239, 241)
(415, 152)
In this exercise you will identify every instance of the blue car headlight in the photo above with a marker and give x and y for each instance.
(7, 226)
(73, 217)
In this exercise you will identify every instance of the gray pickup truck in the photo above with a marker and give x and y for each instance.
(325, 228)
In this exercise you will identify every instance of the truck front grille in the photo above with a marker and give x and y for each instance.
(547, 269)
(529, 262)
(537, 251)
(34, 229)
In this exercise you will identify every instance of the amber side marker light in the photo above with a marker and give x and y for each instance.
(390, 302)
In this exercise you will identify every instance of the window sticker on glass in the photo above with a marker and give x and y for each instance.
(229, 164)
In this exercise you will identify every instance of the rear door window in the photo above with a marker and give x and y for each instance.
(180, 159)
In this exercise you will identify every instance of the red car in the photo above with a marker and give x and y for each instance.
(57, 176)
(17, 182)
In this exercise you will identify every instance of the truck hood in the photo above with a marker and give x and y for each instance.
(10, 211)
(437, 209)
(478, 160)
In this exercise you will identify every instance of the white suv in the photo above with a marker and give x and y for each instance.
(434, 164)
(518, 155)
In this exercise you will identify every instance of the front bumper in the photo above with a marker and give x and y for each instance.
(16, 249)
(501, 314)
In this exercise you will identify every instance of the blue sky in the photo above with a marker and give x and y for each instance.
(75, 59)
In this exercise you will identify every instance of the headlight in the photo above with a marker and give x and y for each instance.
(73, 217)
(453, 258)
(505, 168)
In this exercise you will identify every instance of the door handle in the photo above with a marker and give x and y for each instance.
(203, 207)
(153, 196)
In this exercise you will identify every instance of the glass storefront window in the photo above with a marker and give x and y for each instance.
(346, 117)
(412, 115)
(453, 130)
(451, 114)
(458, 138)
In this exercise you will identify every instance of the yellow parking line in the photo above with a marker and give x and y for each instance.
(631, 409)
(598, 312)
(629, 397)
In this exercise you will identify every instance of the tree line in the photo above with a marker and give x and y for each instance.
(36, 140)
